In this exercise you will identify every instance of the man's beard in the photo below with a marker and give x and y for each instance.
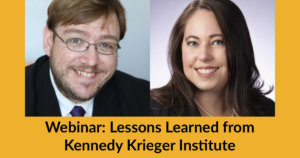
(68, 90)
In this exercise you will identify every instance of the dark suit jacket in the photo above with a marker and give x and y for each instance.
(122, 95)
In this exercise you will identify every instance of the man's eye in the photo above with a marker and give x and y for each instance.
(218, 42)
(106, 45)
(192, 43)
(75, 40)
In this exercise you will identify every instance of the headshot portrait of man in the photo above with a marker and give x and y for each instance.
(78, 76)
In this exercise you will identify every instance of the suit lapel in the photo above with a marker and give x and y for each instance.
(46, 101)
(105, 103)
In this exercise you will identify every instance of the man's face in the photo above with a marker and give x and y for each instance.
(80, 75)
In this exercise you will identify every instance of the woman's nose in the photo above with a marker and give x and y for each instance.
(205, 53)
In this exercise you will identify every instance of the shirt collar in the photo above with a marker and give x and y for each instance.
(66, 105)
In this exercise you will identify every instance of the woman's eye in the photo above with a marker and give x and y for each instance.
(75, 40)
(218, 42)
(192, 43)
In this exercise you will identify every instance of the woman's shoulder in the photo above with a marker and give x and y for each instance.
(269, 107)
(266, 105)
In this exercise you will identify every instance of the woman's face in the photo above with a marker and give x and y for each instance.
(204, 52)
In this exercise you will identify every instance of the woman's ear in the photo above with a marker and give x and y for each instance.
(47, 40)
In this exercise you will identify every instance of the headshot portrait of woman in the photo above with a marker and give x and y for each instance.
(212, 64)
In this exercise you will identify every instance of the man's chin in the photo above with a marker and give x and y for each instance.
(81, 98)
(81, 91)
(82, 95)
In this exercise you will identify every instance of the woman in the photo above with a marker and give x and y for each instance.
(213, 66)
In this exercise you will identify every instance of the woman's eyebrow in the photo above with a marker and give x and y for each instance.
(210, 36)
(215, 35)
(191, 36)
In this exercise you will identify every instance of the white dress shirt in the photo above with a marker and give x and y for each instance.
(66, 105)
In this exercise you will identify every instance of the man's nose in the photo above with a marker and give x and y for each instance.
(91, 56)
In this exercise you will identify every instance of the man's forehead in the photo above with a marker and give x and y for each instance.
(102, 25)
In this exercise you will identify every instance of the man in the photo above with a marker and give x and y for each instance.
(78, 76)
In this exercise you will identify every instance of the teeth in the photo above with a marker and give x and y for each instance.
(85, 74)
(207, 71)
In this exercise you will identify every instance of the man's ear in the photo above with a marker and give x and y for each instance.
(47, 40)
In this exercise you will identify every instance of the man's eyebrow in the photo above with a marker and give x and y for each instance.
(75, 31)
(109, 37)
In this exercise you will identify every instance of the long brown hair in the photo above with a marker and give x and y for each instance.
(243, 85)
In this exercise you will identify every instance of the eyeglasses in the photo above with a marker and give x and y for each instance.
(80, 45)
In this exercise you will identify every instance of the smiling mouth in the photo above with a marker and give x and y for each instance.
(207, 71)
(85, 74)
